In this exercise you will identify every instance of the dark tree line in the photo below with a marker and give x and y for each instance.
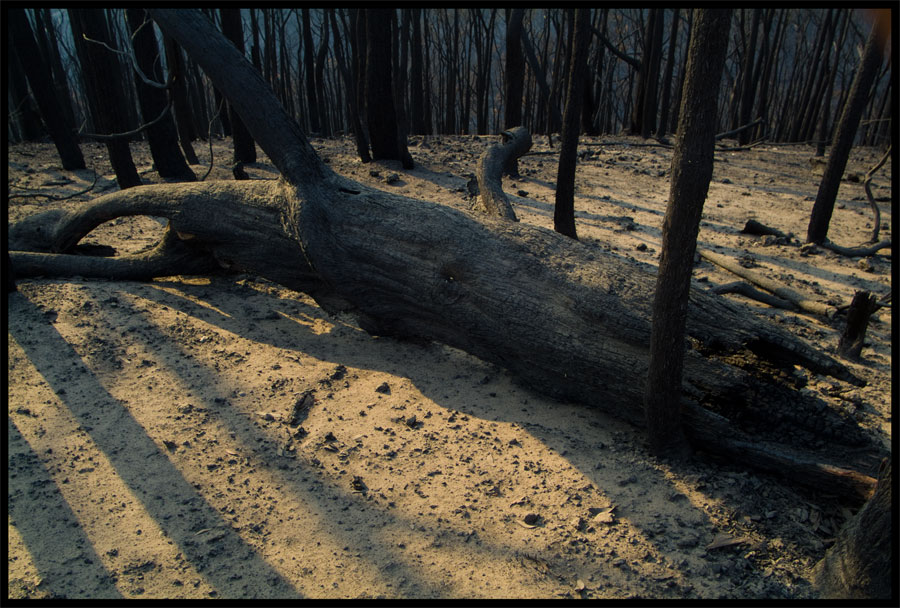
(478, 71)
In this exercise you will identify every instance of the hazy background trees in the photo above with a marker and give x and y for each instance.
(472, 71)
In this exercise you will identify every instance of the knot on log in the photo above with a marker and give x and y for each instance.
(514, 143)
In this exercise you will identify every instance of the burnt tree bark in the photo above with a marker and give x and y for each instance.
(244, 146)
(180, 106)
(643, 115)
(161, 136)
(843, 137)
(412, 268)
(854, 334)
(692, 167)
(20, 35)
(103, 92)
(564, 208)
(515, 77)
(312, 101)
(384, 135)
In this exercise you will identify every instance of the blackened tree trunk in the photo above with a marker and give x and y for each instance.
(19, 34)
(161, 136)
(515, 76)
(244, 146)
(321, 96)
(180, 105)
(643, 114)
(23, 113)
(379, 99)
(667, 77)
(350, 84)
(826, 120)
(515, 69)
(452, 68)
(52, 58)
(357, 35)
(104, 95)
(748, 84)
(417, 100)
(692, 166)
(846, 132)
(681, 75)
(540, 77)
(312, 101)
(564, 210)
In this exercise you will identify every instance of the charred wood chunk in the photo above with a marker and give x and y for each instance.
(861, 308)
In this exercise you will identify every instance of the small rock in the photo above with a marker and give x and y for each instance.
(642, 247)
(393, 178)
(384, 388)
(531, 519)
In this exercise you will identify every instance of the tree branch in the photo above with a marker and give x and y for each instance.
(775, 287)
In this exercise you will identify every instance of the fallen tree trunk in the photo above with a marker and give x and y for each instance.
(571, 321)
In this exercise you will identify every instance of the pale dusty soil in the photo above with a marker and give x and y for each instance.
(152, 455)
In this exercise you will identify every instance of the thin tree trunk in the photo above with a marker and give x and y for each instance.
(382, 117)
(19, 35)
(161, 136)
(667, 77)
(417, 100)
(515, 69)
(312, 102)
(244, 146)
(180, 105)
(692, 166)
(749, 85)
(843, 138)
(60, 82)
(564, 210)
(324, 119)
(104, 96)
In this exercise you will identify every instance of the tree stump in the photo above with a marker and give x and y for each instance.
(515, 143)
(861, 308)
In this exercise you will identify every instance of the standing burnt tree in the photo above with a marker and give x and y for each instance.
(21, 45)
(180, 106)
(384, 134)
(846, 130)
(515, 78)
(564, 209)
(692, 166)
(104, 92)
(244, 147)
(162, 137)
(643, 115)
(570, 321)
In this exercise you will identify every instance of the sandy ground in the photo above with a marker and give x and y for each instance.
(198, 437)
